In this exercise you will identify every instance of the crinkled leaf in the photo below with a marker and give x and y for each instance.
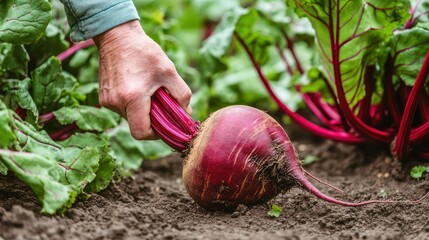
(130, 153)
(23, 21)
(347, 34)
(7, 133)
(13, 59)
(80, 170)
(50, 85)
(42, 176)
(82, 140)
(38, 142)
(25, 100)
(409, 48)
(105, 171)
(87, 117)
(107, 164)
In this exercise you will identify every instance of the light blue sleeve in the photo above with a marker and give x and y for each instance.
(89, 18)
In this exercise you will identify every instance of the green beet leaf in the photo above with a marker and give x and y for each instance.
(25, 100)
(13, 60)
(348, 34)
(409, 48)
(82, 140)
(80, 170)
(104, 173)
(38, 142)
(42, 176)
(107, 164)
(51, 87)
(130, 153)
(7, 133)
(23, 21)
(87, 117)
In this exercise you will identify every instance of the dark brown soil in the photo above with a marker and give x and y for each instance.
(154, 205)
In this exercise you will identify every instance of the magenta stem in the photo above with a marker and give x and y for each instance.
(402, 140)
(64, 133)
(412, 11)
(73, 49)
(417, 134)
(284, 59)
(46, 118)
(170, 122)
(365, 104)
(424, 108)
(290, 46)
(389, 92)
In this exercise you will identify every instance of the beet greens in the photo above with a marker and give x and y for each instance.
(367, 78)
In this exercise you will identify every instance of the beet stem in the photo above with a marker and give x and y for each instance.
(170, 122)
(73, 49)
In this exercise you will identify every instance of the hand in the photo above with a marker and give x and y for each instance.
(132, 68)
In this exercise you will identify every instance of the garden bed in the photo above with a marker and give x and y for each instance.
(153, 204)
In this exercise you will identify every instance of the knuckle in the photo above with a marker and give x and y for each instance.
(187, 93)
(114, 101)
(169, 70)
(103, 100)
(154, 59)
(127, 94)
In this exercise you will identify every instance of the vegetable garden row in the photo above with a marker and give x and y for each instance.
(349, 71)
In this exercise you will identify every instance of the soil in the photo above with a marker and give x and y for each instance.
(153, 204)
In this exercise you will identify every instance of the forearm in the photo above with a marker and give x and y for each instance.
(88, 19)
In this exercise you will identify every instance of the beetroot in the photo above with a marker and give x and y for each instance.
(240, 155)
(250, 163)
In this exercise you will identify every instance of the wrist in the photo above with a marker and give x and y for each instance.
(118, 34)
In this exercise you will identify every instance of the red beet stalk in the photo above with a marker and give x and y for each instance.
(172, 124)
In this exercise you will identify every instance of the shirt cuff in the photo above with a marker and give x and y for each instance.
(103, 20)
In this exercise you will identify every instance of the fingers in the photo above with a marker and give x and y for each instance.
(137, 114)
(181, 92)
